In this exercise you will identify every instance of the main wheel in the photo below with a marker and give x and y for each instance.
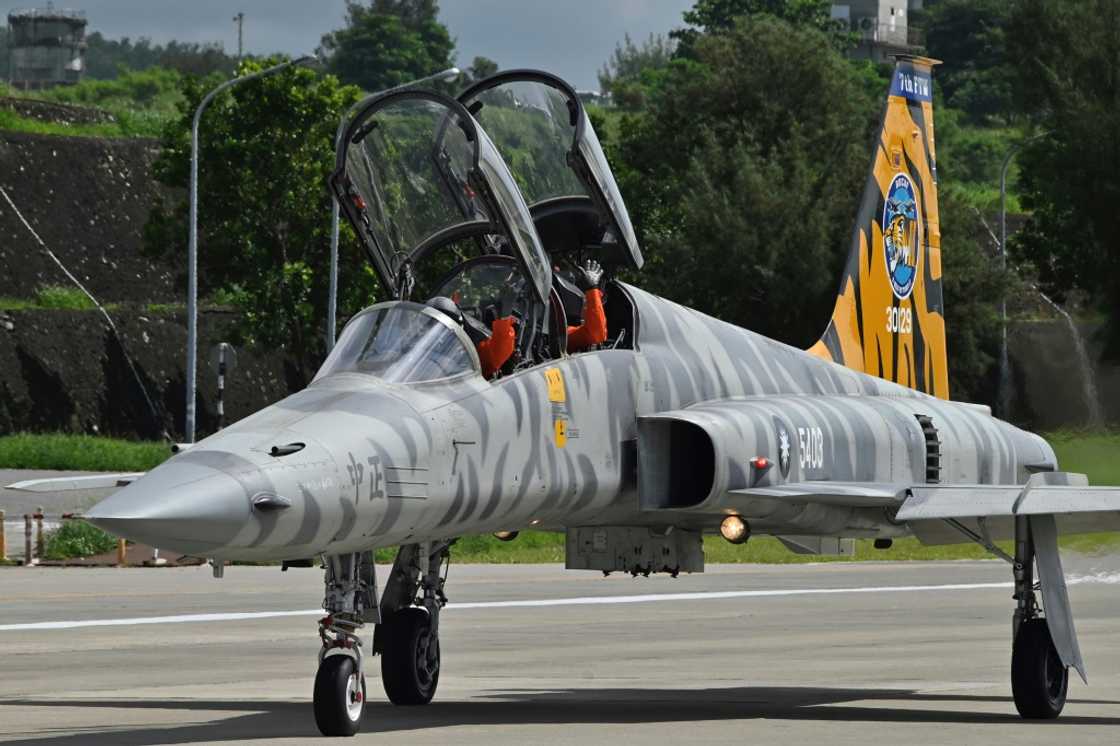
(410, 658)
(340, 696)
(1038, 678)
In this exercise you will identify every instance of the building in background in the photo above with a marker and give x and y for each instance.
(882, 27)
(46, 47)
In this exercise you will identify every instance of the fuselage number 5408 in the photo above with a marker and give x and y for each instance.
(810, 452)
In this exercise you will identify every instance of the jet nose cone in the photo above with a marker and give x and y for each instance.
(180, 506)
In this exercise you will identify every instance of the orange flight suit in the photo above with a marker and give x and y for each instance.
(494, 352)
(593, 330)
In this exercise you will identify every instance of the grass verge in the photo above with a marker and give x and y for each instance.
(13, 122)
(79, 453)
(77, 539)
(52, 297)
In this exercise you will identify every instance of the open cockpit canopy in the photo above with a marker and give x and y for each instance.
(414, 173)
(542, 131)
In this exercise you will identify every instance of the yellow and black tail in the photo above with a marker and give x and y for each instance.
(889, 319)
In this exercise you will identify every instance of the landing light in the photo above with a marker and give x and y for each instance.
(505, 535)
(735, 529)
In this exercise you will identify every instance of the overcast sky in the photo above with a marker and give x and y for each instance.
(572, 38)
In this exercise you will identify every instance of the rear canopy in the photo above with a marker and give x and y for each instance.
(542, 131)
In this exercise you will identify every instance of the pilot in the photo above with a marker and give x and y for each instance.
(593, 330)
(494, 351)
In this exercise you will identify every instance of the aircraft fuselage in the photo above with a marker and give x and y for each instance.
(557, 446)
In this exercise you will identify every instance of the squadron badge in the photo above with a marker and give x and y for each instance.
(783, 447)
(900, 235)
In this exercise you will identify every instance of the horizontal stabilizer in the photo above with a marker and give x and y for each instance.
(66, 484)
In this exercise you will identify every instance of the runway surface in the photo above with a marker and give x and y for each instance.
(838, 653)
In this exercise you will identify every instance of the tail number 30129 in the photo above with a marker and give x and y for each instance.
(900, 320)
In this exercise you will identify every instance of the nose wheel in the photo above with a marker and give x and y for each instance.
(340, 696)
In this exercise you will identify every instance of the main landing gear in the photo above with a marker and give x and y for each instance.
(1039, 678)
(406, 634)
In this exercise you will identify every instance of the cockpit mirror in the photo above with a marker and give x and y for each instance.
(540, 127)
(413, 172)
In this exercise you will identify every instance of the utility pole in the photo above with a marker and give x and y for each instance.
(192, 241)
(239, 19)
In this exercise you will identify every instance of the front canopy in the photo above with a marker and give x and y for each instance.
(414, 172)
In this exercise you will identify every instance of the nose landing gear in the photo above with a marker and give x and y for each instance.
(406, 632)
(340, 684)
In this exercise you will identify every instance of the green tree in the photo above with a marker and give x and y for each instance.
(973, 283)
(715, 16)
(630, 71)
(969, 36)
(744, 172)
(387, 43)
(480, 69)
(107, 58)
(264, 210)
(1068, 57)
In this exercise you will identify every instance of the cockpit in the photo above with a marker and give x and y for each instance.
(496, 213)
(402, 342)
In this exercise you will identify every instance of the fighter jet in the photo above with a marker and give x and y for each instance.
(485, 219)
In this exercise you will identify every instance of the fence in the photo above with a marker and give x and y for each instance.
(34, 539)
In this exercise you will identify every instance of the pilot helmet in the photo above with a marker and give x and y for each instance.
(445, 305)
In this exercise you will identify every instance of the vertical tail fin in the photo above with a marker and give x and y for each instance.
(889, 319)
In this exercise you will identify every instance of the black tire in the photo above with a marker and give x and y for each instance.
(338, 712)
(1039, 680)
(409, 677)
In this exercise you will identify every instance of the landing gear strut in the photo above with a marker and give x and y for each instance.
(408, 636)
(406, 632)
(1039, 678)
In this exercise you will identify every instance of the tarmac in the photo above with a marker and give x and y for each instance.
(864, 653)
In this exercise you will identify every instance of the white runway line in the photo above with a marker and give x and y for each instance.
(577, 601)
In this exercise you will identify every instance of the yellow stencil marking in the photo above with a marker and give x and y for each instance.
(561, 427)
(555, 381)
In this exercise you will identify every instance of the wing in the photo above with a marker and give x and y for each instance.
(65, 484)
(939, 514)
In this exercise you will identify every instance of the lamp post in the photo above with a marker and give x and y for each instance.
(192, 246)
(332, 301)
(1004, 365)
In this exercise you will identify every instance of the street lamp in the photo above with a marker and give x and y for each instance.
(1004, 366)
(332, 301)
(192, 246)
